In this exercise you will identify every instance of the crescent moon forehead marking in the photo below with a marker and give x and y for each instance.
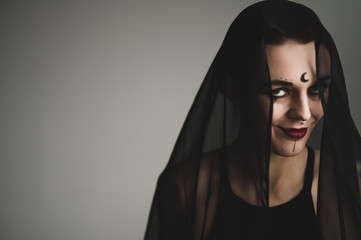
(303, 77)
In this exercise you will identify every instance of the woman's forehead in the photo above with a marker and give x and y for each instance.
(291, 60)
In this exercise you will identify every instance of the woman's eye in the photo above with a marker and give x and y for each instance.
(279, 92)
(316, 90)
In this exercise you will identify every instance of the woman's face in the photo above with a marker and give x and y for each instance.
(296, 102)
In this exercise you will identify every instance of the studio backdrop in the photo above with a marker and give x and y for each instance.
(93, 95)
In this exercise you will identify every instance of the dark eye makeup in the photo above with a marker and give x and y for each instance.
(280, 92)
(314, 90)
(317, 89)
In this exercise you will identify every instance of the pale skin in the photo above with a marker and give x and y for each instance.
(294, 99)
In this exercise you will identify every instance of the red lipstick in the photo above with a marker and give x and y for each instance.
(297, 133)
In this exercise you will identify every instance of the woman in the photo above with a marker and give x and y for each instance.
(245, 165)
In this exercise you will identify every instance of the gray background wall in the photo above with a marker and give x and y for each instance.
(93, 95)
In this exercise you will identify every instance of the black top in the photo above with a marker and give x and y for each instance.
(292, 220)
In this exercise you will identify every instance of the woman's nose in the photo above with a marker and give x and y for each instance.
(300, 108)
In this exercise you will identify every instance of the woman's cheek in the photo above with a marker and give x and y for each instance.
(317, 111)
(279, 110)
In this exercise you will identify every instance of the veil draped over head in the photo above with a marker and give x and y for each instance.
(225, 140)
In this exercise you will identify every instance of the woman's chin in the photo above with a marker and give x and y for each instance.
(288, 149)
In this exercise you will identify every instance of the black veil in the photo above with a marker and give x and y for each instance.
(225, 139)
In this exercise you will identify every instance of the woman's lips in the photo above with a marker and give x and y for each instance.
(295, 132)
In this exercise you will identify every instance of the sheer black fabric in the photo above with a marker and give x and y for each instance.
(223, 149)
(294, 219)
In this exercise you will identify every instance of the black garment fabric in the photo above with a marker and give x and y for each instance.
(293, 220)
(226, 139)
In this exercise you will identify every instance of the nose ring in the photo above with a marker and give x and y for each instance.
(301, 122)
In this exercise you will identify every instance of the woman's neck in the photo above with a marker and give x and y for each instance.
(286, 176)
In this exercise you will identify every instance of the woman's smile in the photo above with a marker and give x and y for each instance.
(296, 133)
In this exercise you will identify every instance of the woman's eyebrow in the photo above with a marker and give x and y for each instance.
(281, 82)
(275, 82)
